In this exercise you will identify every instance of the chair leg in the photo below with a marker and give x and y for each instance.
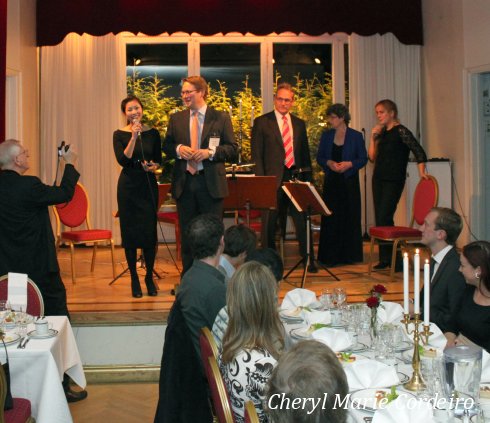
(72, 251)
(393, 259)
(113, 262)
(371, 250)
(92, 266)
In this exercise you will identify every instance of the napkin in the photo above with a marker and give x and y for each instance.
(17, 291)
(437, 339)
(298, 298)
(337, 340)
(390, 312)
(364, 374)
(315, 316)
(485, 367)
(405, 409)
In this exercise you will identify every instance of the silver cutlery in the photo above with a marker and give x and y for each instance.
(368, 419)
(20, 342)
(27, 339)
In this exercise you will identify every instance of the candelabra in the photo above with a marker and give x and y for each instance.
(416, 382)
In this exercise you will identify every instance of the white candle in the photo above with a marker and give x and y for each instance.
(252, 117)
(416, 277)
(405, 283)
(426, 293)
(231, 111)
(240, 109)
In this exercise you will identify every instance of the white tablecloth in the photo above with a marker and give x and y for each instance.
(37, 371)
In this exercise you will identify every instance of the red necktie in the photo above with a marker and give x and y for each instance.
(288, 143)
(191, 164)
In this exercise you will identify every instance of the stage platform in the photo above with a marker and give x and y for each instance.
(92, 300)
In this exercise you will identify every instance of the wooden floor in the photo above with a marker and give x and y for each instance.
(93, 294)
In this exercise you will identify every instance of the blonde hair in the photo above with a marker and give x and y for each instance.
(252, 307)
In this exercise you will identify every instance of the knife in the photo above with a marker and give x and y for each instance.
(20, 342)
(27, 339)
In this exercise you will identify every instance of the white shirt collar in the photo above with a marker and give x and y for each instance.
(441, 254)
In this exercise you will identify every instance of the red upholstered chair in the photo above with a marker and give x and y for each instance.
(35, 303)
(219, 394)
(251, 415)
(168, 217)
(208, 346)
(74, 214)
(425, 197)
(21, 411)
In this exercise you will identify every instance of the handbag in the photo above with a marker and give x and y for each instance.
(9, 402)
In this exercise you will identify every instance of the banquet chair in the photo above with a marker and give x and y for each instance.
(208, 346)
(219, 394)
(20, 412)
(35, 303)
(425, 197)
(251, 415)
(74, 214)
(168, 217)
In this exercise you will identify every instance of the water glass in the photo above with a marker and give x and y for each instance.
(339, 297)
(326, 299)
(384, 347)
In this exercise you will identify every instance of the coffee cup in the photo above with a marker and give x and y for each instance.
(42, 327)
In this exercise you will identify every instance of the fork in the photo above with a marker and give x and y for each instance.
(20, 342)
(368, 419)
(27, 339)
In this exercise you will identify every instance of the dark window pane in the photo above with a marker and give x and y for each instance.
(232, 64)
(167, 61)
(307, 60)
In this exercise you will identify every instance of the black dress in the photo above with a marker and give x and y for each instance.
(137, 190)
(340, 236)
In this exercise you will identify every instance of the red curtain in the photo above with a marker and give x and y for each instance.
(3, 65)
(57, 18)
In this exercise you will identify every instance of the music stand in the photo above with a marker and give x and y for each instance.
(251, 192)
(306, 199)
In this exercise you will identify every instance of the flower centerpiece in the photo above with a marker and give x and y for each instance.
(373, 302)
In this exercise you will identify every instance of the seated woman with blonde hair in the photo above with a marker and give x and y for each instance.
(253, 339)
(471, 325)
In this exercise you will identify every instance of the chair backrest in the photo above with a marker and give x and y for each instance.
(208, 345)
(163, 190)
(35, 303)
(251, 415)
(75, 212)
(219, 394)
(425, 197)
(3, 392)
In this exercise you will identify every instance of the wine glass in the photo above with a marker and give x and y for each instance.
(326, 299)
(339, 297)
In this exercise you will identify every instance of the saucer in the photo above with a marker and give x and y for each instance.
(34, 335)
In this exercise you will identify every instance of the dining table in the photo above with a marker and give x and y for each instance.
(36, 371)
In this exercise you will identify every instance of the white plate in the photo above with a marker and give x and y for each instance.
(300, 333)
(291, 315)
(408, 355)
(10, 339)
(357, 358)
(365, 398)
(359, 347)
(11, 324)
(34, 335)
(403, 346)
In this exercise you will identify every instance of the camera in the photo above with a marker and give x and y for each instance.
(63, 146)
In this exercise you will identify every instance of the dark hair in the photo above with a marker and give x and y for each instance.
(478, 255)
(309, 369)
(239, 239)
(128, 99)
(199, 83)
(339, 110)
(285, 86)
(204, 235)
(390, 106)
(450, 222)
(269, 258)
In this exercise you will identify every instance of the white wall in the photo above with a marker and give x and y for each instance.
(22, 64)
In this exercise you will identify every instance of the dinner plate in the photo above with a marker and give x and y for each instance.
(300, 333)
(359, 347)
(10, 338)
(365, 399)
(34, 335)
(408, 355)
(403, 346)
(290, 315)
(403, 377)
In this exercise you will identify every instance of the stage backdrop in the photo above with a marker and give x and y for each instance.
(3, 64)
(57, 18)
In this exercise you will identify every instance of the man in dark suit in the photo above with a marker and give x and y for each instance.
(200, 139)
(280, 148)
(440, 231)
(27, 243)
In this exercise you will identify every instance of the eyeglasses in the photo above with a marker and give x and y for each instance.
(284, 100)
(183, 93)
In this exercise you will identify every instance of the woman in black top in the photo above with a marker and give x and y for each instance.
(389, 149)
(138, 151)
(472, 321)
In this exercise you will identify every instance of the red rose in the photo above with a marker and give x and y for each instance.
(380, 289)
(372, 302)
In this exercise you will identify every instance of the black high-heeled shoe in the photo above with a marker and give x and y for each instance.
(136, 288)
(150, 286)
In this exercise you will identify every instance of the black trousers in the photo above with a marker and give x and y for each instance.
(195, 200)
(54, 294)
(386, 195)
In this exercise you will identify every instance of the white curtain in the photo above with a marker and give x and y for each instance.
(381, 67)
(83, 81)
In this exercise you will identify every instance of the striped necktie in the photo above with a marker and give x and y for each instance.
(288, 143)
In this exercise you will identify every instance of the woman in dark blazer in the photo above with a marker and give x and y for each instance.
(341, 154)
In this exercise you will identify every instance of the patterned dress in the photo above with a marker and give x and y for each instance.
(246, 379)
